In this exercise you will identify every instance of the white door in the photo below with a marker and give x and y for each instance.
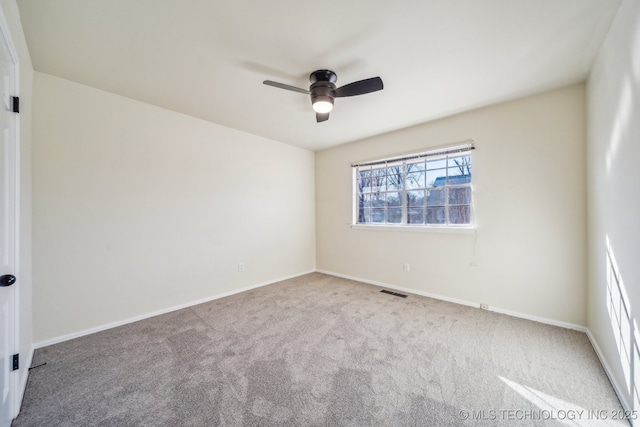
(8, 228)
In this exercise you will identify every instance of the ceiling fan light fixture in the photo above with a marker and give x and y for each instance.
(323, 104)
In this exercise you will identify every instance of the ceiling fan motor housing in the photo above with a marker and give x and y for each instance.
(322, 86)
(322, 91)
(323, 76)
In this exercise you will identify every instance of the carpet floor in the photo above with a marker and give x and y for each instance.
(318, 350)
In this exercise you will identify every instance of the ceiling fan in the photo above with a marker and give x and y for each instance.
(323, 90)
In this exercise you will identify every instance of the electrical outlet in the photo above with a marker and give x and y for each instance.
(241, 267)
(484, 306)
(406, 267)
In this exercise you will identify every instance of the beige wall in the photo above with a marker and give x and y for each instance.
(528, 255)
(614, 201)
(138, 209)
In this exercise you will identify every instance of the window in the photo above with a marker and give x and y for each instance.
(424, 189)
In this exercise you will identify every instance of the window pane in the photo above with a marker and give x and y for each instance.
(460, 196)
(364, 185)
(415, 216)
(364, 200)
(364, 173)
(436, 164)
(458, 161)
(377, 215)
(415, 198)
(459, 175)
(378, 183)
(415, 167)
(394, 215)
(436, 178)
(364, 216)
(436, 215)
(460, 215)
(394, 199)
(377, 200)
(393, 185)
(394, 178)
(377, 173)
(459, 170)
(415, 180)
(435, 197)
(378, 179)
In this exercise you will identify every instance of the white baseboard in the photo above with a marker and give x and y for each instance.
(22, 386)
(89, 331)
(607, 369)
(592, 340)
(100, 328)
(553, 322)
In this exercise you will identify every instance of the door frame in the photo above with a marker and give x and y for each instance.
(14, 89)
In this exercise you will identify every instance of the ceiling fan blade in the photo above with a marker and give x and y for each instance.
(360, 87)
(287, 87)
(322, 117)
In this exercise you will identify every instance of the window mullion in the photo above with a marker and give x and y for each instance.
(403, 194)
(446, 190)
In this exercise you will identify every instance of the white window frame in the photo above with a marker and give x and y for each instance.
(456, 150)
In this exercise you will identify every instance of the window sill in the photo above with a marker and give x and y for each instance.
(469, 229)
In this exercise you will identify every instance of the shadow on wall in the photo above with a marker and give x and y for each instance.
(624, 325)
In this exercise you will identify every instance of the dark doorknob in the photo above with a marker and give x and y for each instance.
(7, 280)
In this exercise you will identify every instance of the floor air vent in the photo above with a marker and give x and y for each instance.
(395, 294)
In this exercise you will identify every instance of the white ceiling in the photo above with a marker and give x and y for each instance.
(208, 58)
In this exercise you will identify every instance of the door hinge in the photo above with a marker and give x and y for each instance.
(16, 362)
(15, 104)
